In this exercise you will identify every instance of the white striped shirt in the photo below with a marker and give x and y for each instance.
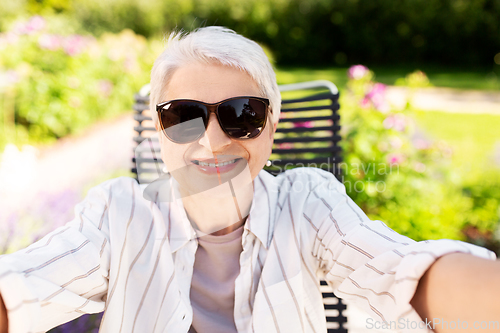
(134, 259)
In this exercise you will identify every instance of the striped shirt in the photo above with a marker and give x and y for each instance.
(133, 259)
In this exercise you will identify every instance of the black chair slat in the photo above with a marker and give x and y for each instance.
(148, 150)
(139, 108)
(141, 99)
(306, 119)
(333, 138)
(333, 107)
(144, 170)
(139, 139)
(306, 150)
(144, 129)
(334, 128)
(147, 160)
(313, 98)
(338, 306)
(139, 117)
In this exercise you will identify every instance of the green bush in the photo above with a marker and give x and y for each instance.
(398, 176)
(55, 85)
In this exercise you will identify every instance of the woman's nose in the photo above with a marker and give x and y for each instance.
(214, 138)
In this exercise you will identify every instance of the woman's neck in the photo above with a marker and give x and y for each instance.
(220, 210)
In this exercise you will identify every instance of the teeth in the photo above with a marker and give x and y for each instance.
(213, 165)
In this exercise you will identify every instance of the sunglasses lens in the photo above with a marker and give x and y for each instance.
(184, 122)
(243, 118)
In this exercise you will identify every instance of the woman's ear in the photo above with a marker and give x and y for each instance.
(271, 133)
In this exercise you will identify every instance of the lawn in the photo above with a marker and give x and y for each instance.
(478, 79)
(474, 139)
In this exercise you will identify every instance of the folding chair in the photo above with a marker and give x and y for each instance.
(307, 135)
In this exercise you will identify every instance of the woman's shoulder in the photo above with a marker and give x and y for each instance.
(117, 191)
(117, 185)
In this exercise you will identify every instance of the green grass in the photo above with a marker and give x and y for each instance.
(337, 75)
(477, 79)
(474, 138)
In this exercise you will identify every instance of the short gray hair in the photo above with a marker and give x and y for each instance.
(219, 45)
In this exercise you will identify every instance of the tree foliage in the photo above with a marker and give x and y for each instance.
(459, 32)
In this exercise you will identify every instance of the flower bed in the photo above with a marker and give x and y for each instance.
(52, 85)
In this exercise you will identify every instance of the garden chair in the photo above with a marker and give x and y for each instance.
(307, 135)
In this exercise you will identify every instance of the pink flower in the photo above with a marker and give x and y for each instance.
(307, 124)
(395, 159)
(357, 72)
(12, 76)
(35, 24)
(74, 45)
(130, 63)
(8, 38)
(377, 97)
(421, 144)
(285, 145)
(49, 42)
(9, 78)
(365, 103)
(395, 121)
(105, 87)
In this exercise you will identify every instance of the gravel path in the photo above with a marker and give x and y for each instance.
(447, 100)
(71, 163)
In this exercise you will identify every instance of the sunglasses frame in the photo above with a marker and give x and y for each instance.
(214, 108)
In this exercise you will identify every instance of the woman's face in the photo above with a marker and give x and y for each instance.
(215, 156)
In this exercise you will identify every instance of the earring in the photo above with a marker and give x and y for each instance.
(269, 163)
(164, 170)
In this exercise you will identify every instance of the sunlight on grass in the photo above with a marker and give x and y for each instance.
(476, 79)
(287, 75)
(439, 77)
(474, 138)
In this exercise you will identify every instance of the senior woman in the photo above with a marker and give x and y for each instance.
(219, 245)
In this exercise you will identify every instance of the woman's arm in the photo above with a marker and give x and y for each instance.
(3, 317)
(460, 288)
(379, 270)
(48, 283)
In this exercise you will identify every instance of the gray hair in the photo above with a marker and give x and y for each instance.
(219, 45)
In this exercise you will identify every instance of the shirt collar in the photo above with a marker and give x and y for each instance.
(260, 221)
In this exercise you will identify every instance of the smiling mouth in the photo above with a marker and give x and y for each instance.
(215, 165)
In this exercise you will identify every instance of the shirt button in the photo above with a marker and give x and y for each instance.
(183, 317)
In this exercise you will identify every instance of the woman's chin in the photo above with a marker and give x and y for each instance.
(194, 179)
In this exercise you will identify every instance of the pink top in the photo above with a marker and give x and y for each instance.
(216, 267)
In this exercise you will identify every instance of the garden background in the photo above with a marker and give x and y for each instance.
(69, 69)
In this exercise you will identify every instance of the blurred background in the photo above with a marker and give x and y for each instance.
(420, 101)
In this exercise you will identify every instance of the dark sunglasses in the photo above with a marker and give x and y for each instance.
(185, 120)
